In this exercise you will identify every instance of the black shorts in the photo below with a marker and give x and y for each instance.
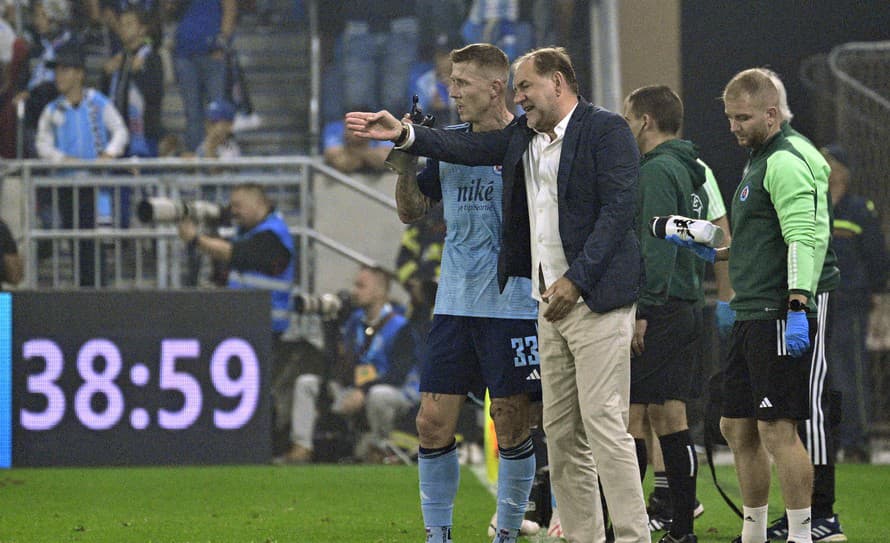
(470, 354)
(666, 368)
(762, 381)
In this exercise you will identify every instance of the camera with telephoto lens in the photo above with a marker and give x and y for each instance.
(166, 210)
(329, 306)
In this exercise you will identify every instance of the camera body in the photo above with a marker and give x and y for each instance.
(166, 210)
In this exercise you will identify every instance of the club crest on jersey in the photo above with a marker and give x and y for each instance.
(744, 194)
(498, 169)
(697, 205)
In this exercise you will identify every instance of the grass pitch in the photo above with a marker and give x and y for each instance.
(318, 504)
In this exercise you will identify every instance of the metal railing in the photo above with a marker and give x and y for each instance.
(849, 91)
(70, 242)
(850, 88)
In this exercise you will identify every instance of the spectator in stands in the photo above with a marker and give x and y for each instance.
(81, 124)
(219, 140)
(109, 12)
(50, 19)
(350, 154)
(12, 268)
(862, 257)
(203, 35)
(373, 378)
(13, 66)
(379, 45)
(7, 38)
(552, 20)
(134, 80)
(497, 22)
(440, 23)
(69, 127)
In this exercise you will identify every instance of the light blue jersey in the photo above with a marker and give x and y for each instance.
(468, 281)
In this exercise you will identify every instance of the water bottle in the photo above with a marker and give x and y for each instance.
(697, 230)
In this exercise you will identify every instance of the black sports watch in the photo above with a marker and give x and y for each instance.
(796, 305)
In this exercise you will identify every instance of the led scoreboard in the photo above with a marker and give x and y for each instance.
(134, 378)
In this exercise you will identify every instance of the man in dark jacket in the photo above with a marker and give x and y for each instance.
(862, 255)
(570, 173)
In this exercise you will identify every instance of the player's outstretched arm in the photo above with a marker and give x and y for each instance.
(376, 126)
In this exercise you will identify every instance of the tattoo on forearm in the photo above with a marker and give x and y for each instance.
(412, 203)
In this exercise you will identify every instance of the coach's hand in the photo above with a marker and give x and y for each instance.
(637, 346)
(797, 333)
(702, 251)
(561, 298)
(376, 126)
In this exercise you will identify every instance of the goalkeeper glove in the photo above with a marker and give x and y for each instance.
(797, 333)
(702, 251)
(725, 317)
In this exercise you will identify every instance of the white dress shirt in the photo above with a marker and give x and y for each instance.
(541, 162)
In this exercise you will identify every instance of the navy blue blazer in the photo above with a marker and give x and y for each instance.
(598, 194)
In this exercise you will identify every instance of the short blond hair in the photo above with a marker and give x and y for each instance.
(486, 56)
(754, 83)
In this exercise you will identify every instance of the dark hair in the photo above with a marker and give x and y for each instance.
(384, 276)
(661, 103)
(484, 55)
(142, 16)
(548, 60)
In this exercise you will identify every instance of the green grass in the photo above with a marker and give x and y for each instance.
(316, 504)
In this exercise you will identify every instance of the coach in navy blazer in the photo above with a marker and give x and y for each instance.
(597, 185)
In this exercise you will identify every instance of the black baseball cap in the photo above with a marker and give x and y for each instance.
(70, 56)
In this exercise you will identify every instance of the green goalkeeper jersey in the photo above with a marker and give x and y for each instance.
(830, 277)
(774, 232)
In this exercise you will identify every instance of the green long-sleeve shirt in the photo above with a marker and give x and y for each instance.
(830, 277)
(774, 230)
(671, 183)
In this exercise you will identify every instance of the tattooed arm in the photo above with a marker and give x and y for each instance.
(411, 202)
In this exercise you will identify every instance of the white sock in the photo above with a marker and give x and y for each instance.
(754, 524)
(799, 524)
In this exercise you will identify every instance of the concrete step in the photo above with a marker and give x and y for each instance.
(272, 41)
(276, 115)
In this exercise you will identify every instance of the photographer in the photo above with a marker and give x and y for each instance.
(376, 355)
(262, 253)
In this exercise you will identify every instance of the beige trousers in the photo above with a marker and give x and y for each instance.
(585, 377)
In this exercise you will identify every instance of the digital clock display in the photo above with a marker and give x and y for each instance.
(126, 378)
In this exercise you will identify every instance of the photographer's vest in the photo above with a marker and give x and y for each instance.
(280, 285)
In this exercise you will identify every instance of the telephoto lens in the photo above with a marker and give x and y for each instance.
(697, 230)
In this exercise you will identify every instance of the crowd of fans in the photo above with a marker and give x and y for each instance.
(139, 46)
